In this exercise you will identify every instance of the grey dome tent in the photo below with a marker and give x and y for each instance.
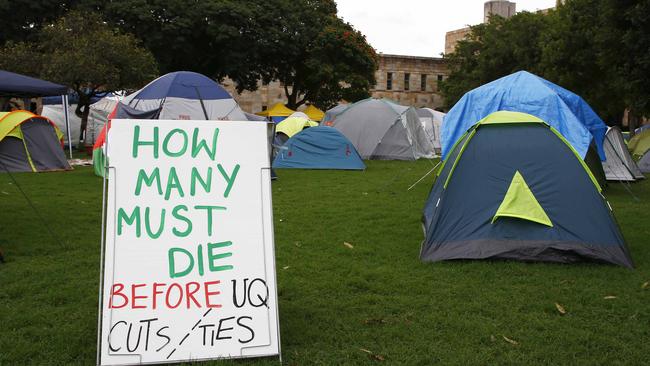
(513, 188)
(619, 165)
(381, 129)
(331, 113)
(432, 122)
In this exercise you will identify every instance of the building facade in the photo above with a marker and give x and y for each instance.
(410, 80)
(407, 80)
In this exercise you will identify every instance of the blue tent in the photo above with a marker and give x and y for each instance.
(21, 86)
(525, 92)
(184, 95)
(319, 147)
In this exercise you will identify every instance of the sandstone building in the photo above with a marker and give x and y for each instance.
(408, 80)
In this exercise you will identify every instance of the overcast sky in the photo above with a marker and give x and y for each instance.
(417, 27)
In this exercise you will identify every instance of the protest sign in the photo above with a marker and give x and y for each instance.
(188, 260)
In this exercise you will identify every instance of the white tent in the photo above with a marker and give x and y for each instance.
(97, 117)
(382, 129)
(299, 115)
(432, 122)
(185, 95)
(619, 165)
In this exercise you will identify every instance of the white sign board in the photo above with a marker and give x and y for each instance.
(189, 266)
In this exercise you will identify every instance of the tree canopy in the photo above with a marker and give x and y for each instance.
(84, 53)
(301, 43)
(596, 48)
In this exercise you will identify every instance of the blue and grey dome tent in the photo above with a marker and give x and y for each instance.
(513, 188)
(319, 147)
(186, 95)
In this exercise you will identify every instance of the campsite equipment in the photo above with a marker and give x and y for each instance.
(432, 122)
(30, 143)
(181, 95)
(524, 92)
(639, 146)
(293, 125)
(619, 165)
(276, 113)
(314, 113)
(97, 118)
(319, 147)
(332, 113)
(186, 95)
(14, 85)
(381, 129)
(513, 187)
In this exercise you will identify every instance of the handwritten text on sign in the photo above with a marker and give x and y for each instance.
(189, 268)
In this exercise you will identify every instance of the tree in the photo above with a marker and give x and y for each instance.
(318, 57)
(82, 52)
(573, 57)
(22, 19)
(301, 43)
(492, 50)
(625, 37)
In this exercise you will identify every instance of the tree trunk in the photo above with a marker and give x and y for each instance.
(82, 111)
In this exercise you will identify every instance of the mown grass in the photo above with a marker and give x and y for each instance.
(337, 303)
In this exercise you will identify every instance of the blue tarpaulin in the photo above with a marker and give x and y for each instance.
(21, 86)
(528, 93)
(183, 84)
(319, 147)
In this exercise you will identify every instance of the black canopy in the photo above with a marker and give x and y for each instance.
(21, 86)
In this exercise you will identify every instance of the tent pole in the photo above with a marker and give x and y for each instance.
(64, 99)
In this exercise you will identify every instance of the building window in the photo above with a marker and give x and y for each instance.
(407, 78)
(439, 77)
(389, 81)
(263, 108)
(423, 82)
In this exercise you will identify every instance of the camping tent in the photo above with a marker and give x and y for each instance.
(181, 95)
(513, 188)
(619, 165)
(642, 128)
(319, 148)
(30, 143)
(525, 92)
(254, 117)
(314, 113)
(14, 85)
(639, 146)
(432, 122)
(97, 117)
(381, 129)
(186, 95)
(332, 113)
(293, 125)
(276, 113)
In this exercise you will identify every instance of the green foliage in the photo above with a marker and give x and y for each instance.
(335, 300)
(82, 52)
(317, 56)
(301, 43)
(23, 19)
(494, 49)
(596, 48)
(625, 34)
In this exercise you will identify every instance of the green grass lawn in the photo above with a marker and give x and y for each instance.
(337, 303)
